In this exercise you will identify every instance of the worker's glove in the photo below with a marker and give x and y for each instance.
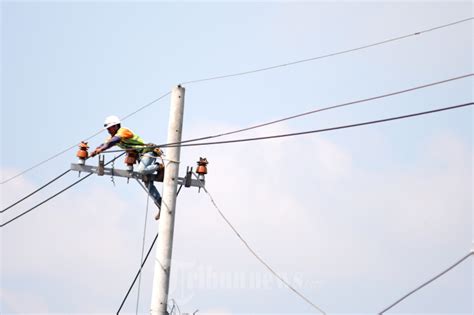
(155, 149)
(95, 152)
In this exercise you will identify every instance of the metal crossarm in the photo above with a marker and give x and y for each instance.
(131, 174)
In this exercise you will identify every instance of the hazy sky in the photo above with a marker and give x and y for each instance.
(354, 218)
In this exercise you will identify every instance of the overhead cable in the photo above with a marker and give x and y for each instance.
(144, 260)
(175, 308)
(323, 130)
(340, 105)
(56, 194)
(75, 145)
(34, 192)
(328, 55)
(143, 244)
(145, 106)
(314, 111)
(249, 72)
(138, 274)
(429, 281)
(48, 159)
(46, 200)
(253, 251)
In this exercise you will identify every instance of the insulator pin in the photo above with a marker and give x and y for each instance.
(82, 154)
(202, 166)
(201, 170)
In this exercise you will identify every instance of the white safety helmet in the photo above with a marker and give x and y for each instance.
(111, 121)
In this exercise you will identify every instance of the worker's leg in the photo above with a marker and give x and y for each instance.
(147, 163)
(154, 193)
(147, 166)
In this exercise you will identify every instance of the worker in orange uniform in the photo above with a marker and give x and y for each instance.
(128, 140)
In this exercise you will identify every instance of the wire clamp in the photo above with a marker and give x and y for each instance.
(188, 178)
(101, 167)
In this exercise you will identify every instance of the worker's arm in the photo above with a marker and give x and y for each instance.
(104, 146)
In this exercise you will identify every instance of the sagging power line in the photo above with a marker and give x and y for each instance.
(252, 251)
(147, 190)
(372, 98)
(34, 192)
(292, 135)
(137, 275)
(328, 55)
(183, 144)
(317, 110)
(76, 144)
(143, 260)
(325, 129)
(174, 160)
(53, 196)
(428, 282)
(246, 73)
(44, 201)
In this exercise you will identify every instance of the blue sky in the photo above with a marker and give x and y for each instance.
(353, 218)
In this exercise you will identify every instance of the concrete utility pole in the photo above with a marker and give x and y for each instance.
(161, 280)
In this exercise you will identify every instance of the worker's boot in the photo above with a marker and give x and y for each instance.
(159, 167)
(160, 171)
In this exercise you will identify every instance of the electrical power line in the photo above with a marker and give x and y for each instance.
(34, 192)
(137, 275)
(143, 245)
(372, 98)
(253, 251)
(325, 129)
(146, 105)
(75, 145)
(56, 194)
(342, 105)
(175, 307)
(48, 159)
(44, 201)
(245, 73)
(144, 260)
(328, 55)
(429, 281)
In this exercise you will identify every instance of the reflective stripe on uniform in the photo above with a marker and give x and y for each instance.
(130, 140)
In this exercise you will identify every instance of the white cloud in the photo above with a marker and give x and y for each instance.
(302, 204)
(84, 244)
(14, 302)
